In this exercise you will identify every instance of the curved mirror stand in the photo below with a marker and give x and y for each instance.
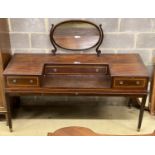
(76, 35)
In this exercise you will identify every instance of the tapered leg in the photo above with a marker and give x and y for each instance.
(9, 120)
(142, 107)
(6, 117)
(130, 103)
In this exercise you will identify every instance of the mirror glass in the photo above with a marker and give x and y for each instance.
(76, 35)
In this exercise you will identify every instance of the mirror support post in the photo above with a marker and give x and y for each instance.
(52, 40)
(101, 40)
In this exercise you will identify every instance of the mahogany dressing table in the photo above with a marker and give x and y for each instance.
(77, 74)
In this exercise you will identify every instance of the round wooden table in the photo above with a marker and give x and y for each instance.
(82, 131)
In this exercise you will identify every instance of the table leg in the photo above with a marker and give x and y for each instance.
(130, 102)
(9, 119)
(142, 107)
(6, 117)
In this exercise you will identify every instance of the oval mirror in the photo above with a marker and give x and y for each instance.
(75, 35)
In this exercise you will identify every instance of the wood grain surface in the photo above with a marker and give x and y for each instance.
(83, 131)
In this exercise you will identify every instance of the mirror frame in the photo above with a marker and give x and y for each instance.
(97, 44)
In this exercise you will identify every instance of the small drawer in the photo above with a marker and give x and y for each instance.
(129, 82)
(22, 81)
(75, 69)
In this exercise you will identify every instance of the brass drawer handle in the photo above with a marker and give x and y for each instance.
(137, 82)
(31, 81)
(97, 70)
(14, 81)
(55, 70)
(76, 93)
(121, 82)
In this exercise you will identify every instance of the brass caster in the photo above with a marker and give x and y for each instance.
(11, 130)
(7, 124)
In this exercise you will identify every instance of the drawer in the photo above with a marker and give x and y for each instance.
(22, 81)
(75, 69)
(129, 82)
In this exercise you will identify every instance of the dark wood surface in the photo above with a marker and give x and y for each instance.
(119, 64)
(83, 131)
(77, 81)
(77, 74)
(152, 106)
(80, 74)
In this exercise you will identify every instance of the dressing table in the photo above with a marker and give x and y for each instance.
(77, 74)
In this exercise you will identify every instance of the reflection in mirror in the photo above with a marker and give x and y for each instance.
(76, 35)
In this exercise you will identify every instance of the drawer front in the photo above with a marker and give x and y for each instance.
(75, 69)
(140, 83)
(22, 81)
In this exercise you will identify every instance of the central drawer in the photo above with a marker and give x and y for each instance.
(75, 69)
(22, 81)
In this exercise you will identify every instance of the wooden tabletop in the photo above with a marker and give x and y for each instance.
(82, 131)
(119, 64)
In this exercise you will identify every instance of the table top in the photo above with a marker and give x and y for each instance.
(119, 64)
(83, 131)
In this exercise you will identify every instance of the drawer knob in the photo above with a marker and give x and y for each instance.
(121, 82)
(137, 82)
(76, 93)
(31, 81)
(55, 70)
(97, 70)
(14, 81)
